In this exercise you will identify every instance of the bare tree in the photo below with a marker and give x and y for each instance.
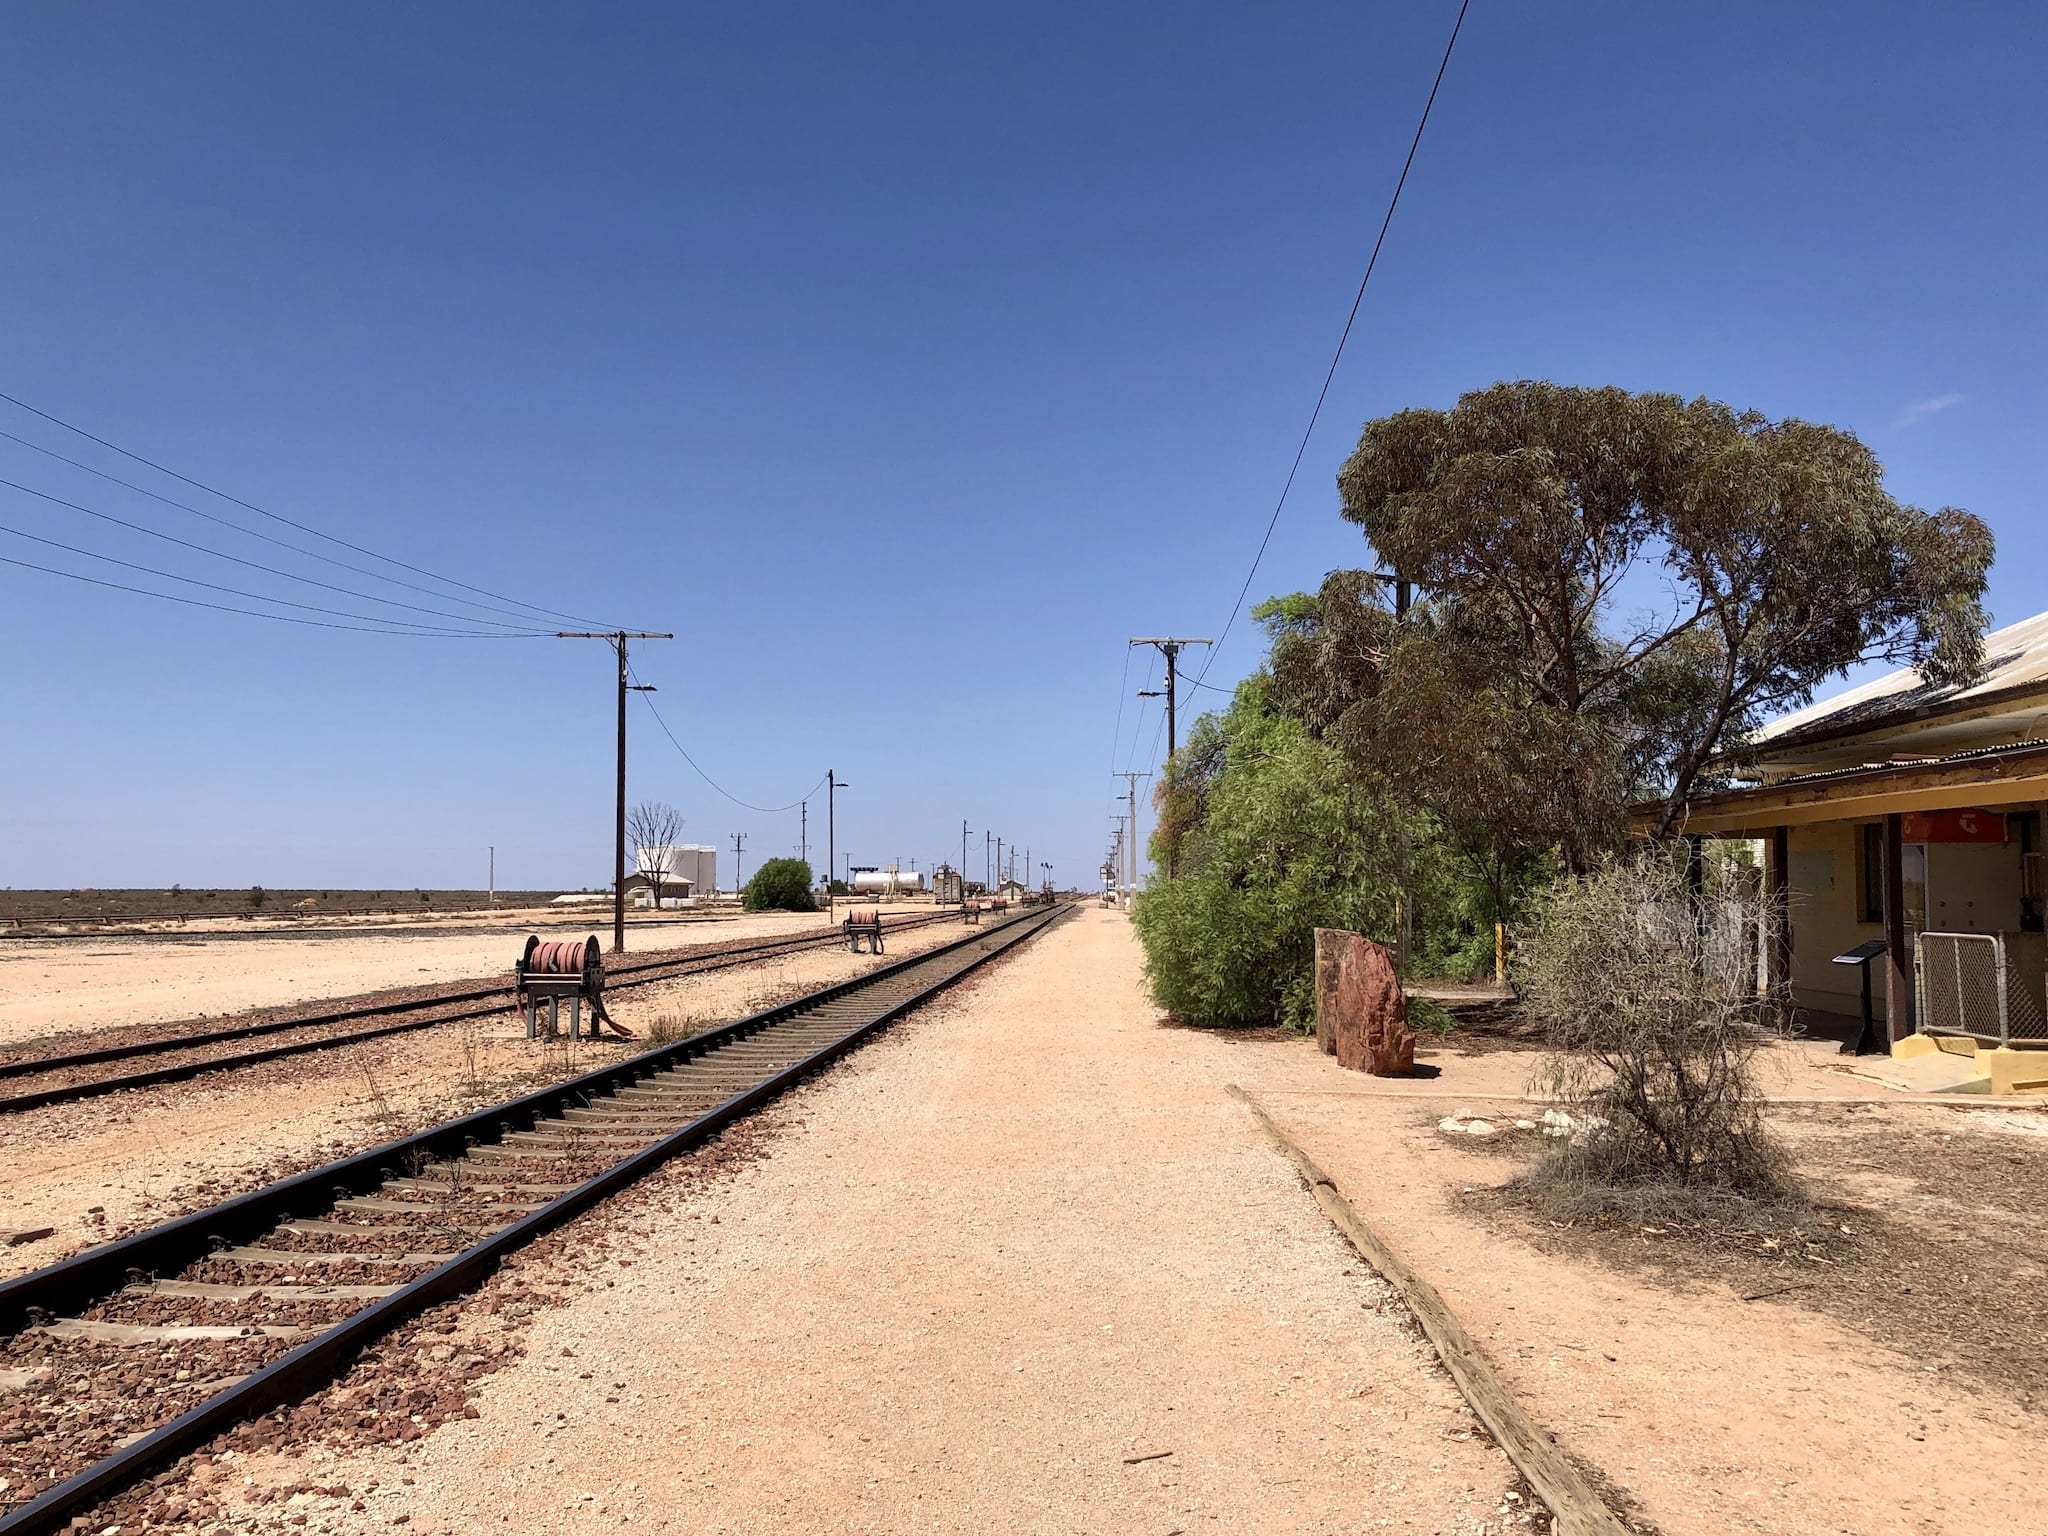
(654, 826)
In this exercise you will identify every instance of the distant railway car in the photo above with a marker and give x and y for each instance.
(887, 882)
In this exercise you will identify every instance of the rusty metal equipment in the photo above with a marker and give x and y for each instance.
(970, 913)
(549, 971)
(864, 927)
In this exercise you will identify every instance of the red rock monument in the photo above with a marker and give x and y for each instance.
(1361, 1011)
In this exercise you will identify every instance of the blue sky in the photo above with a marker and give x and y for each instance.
(903, 360)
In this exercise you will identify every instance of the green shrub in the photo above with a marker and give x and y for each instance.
(780, 885)
(1278, 842)
(1427, 1016)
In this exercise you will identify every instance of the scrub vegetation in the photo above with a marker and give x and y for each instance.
(1652, 1021)
(780, 885)
(1582, 603)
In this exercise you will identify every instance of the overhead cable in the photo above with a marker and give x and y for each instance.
(280, 618)
(268, 570)
(766, 810)
(411, 626)
(1331, 373)
(254, 533)
(276, 517)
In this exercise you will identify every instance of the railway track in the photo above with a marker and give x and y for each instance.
(37, 1081)
(137, 1352)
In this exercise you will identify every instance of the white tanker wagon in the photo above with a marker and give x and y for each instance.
(888, 882)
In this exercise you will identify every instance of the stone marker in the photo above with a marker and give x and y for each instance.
(1360, 998)
(1329, 952)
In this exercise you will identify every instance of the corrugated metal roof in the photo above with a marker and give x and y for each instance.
(2014, 657)
(1918, 764)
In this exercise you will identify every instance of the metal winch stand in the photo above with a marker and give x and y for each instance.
(553, 989)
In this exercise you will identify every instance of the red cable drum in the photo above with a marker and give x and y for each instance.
(569, 957)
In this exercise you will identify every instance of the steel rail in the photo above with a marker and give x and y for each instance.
(101, 1271)
(716, 960)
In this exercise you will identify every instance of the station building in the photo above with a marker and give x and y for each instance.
(1914, 816)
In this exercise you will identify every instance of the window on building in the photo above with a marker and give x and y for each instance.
(1870, 864)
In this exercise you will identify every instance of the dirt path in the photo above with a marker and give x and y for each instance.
(99, 1168)
(1019, 1266)
(1715, 1413)
(51, 985)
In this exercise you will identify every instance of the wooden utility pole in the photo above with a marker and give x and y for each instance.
(617, 640)
(739, 846)
(1169, 646)
(963, 861)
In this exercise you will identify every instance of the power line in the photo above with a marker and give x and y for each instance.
(1324, 393)
(268, 570)
(766, 810)
(247, 531)
(275, 517)
(394, 625)
(1116, 739)
(280, 618)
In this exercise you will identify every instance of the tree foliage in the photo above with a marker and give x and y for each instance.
(1274, 840)
(780, 885)
(1529, 511)
(1503, 725)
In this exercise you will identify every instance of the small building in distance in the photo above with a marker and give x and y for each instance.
(685, 869)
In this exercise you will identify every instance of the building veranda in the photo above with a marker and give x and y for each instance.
(1912, 817)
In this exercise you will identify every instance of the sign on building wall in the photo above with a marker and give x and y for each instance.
(1952, 827)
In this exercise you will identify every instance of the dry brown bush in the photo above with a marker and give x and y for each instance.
(1644, 990)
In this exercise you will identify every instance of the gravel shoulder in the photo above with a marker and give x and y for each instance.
(1021, 1265)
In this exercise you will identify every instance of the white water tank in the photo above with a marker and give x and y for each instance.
(887, 882)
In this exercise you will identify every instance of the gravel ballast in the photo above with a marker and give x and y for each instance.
(1020, 1265)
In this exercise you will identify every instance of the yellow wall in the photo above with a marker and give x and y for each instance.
(1823, 906)
(1969, 888)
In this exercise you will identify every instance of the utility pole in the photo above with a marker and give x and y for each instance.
(739, 844)
(988, 867)
(1169, 647)
(999, 858)
(833, 784)
(617, 640)
(963, 861)
(491, 885)
(803, 832)
(1130, 778)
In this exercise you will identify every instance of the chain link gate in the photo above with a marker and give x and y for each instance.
(1960, 986)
